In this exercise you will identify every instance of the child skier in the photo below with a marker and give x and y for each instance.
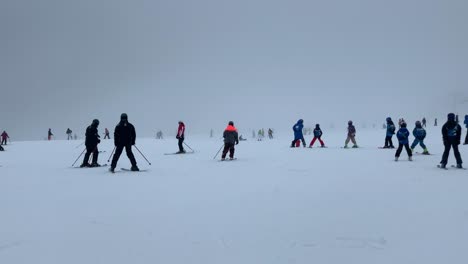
(419, 134)
(451, 133)
(351, 135)
(389, 134)
(403, 135)
(297, 128)
(317, 135)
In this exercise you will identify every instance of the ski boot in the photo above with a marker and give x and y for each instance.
(223, 159)
(425, 152)
(85, 165)
(112, 169)
(180, 152)
(355, 146)
(345, 146)
(95, 165)
(134, 168)
(410, 158)
(442, 166)
(459, 166)
(396, 158)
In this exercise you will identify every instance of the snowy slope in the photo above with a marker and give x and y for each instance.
(273, 205)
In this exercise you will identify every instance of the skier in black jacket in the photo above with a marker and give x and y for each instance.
(124, 136)
(91, 143)
(451, 133)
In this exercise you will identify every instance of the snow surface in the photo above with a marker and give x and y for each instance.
(273, 205)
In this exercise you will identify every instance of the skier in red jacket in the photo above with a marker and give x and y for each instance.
(180, 136)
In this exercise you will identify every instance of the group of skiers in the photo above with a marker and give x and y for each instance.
(299, 135)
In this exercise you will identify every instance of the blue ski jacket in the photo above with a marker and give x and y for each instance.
(297, 128)
(466, 121)
(403, 135)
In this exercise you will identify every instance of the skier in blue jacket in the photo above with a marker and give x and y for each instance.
(297, 128)
(389, 134)
(403, 135)
(419, 134)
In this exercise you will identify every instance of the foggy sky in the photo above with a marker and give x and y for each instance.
(260, 63)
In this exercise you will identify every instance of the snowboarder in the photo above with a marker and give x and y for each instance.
(297, 128)
(180, 137)
(403, 141)
(317, 135)
(351, 135)
(49, 134)
(451, 134)
(4, 138)
(106, 133)
(124, 137)
(424, 122)
(419, 134)
(91, 142)
(231, 139)
(466, 125)
(270, 133)
(390, 132)
(69, 134)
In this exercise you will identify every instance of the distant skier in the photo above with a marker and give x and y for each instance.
(241, 138)
(49, 134)
(69, 134)
(231, 139)
(270, 133)
(466, 125)
(419, 134)
(180, 136)
(124, 137)
(297, 128)
(424, 122)
(91, 142)
(159, 135)
(106, 133)
(351, 135)
(211, 133)
(403, 135)
(317, 135)
(5, 137)
(435, 122)
(389, 134)
(451, 134)
(259, 135)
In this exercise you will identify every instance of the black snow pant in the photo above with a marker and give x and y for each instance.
(400, 148)
(4, 141)
(118, 152)
(91, 150)
(228, 147)
(106, 136)
(388, 142)
(181, 147)
(1, 148)
(447, 152)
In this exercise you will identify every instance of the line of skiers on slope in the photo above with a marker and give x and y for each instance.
(451, 134)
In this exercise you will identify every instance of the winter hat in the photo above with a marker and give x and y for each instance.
(403, 124)
(317, 125)
(389, 119)
(350, 122)
(95, 122)
(451, 117)
(418, 123)
(231, 123)
(123, 116)
(300, 121)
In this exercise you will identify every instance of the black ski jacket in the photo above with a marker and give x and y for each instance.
(124, 134)
(92, 136)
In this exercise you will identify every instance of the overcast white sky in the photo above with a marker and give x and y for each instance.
(260, 63)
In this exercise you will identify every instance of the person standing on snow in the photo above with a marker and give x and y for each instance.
(466, 125)
(419, 134)
(317, 135)
(231, 138)
(403, 141)
(124, 137)
(390, 132)
(49, 134)
(106, 133)
(91, 142)
(451, 134)
(351, 135)
(5, 137)
(298, 135)
(424, 122)
(69, 134)
(180, 136)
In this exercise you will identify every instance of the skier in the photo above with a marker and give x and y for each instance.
(424, 122)
(49, 134)
(351, 135)
(231, 138)
(317, 135)
(106, 133)
(180, 137)
(403, 135)
(4, 138)
(69, 134)
(241, 138)
(419, 134)
(451, 134)
(259, 137)
(297, 128)
(435, 122)
(389, 134)
(124, 137)
(466, 125)
(91, 142)
(270, 133)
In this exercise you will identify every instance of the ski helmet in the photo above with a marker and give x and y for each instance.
(123, 116)
(418, 123)
(403, 124)
(231, 123)
(350, 122)
(389, 119)
(451, 117)
(95, 122)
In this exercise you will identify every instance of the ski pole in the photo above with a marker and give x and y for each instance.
(142, 155)
(218, 151)
(189, 147)
(108, 160)
(80, 145)
(78, 157)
